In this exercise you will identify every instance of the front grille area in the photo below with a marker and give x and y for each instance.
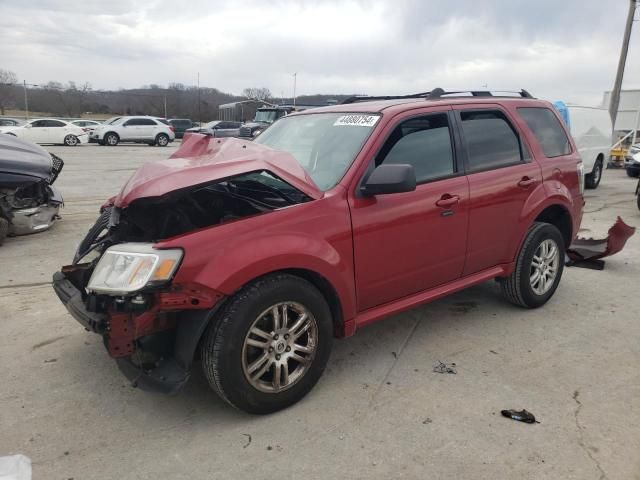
(245, 131)
(56, 167)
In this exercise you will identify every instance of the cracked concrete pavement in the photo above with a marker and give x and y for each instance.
(378, 412)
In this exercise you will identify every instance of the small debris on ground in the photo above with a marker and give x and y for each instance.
(444, 368)
(51, 360)
(395, 355)
(248, 440)
(427, 421)
(520, 416)
(493, 351)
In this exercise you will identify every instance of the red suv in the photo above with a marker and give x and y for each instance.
(252, 256)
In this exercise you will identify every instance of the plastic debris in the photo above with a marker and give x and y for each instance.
(587, 252)
(15, 467)
(520, 416)
(445, 368)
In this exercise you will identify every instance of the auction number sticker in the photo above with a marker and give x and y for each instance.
(358, 120)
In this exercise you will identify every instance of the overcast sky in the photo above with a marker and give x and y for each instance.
(557, 49)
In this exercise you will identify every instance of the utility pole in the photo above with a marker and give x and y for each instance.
(295, 77)
(617, 86)
(199, 116)
(165, 106)
(26, 102)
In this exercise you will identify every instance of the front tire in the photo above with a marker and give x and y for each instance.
(592, 180)
(633, 173)
(111, 139)
(162, 140)
(538, 269)
(269, 345)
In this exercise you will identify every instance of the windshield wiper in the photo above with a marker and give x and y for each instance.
(265, 188)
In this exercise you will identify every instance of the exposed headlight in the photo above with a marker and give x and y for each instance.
(581, 177)
(128, 267)
(256, 133)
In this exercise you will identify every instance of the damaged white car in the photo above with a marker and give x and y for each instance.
(28, 201)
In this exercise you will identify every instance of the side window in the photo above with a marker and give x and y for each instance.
(547, 130)
(131, 122)
(54, 123)
(39, 123)
(425, 143)
(146, 122)
(490, 139)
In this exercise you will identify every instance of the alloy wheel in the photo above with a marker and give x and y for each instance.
(279, 347)
(544, 267)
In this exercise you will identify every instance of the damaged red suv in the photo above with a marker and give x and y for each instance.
(253, 256)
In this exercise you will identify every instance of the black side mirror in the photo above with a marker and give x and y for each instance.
(396, 178)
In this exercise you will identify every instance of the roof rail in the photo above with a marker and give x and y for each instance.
(439, 92)
(435, 94)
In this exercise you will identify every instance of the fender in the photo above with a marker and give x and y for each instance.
(315, 237)
(542, 198)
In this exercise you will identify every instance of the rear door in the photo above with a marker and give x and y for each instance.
(405, 243)
(56, 131)
(147, 128)
(502, 176)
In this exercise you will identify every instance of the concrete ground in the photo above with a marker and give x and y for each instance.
(379, 411)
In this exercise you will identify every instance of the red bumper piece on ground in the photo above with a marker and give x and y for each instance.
(583, 249)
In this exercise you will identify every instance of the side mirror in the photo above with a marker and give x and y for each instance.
(394, 178)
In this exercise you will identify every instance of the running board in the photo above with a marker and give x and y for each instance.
(381, 311)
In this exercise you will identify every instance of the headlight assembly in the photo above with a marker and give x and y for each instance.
(128, 267)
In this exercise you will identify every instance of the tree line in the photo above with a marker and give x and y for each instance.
(175, 100)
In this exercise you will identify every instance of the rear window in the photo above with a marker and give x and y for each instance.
(491, 140)
(547, 130)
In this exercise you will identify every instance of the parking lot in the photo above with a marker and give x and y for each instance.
(379, 411)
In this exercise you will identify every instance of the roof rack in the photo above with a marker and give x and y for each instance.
(437, 93)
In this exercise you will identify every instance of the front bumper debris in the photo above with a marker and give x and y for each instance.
(71, 298)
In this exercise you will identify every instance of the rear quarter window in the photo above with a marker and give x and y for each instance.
(547, 129)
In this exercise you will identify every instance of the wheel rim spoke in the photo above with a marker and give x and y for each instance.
(261, 361)
(544, 267)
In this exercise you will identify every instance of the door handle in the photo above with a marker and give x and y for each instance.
(526, 182)
(447, 200)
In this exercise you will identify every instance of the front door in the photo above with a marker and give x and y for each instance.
(502, 177)
(38, 133)
(405, 243)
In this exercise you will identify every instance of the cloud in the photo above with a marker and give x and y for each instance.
(565, 50)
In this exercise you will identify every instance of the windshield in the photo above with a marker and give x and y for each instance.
(324, 144)
(111, 121)
(211, 124)
(266, 116)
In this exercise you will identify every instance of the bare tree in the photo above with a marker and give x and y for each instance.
(254, 93)
(7, 80)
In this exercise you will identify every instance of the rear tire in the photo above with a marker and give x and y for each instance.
(162, 140)
(262, 374)
(521, 287)
(70, 141)
(592, 180)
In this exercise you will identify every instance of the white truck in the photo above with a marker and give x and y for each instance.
(592, 130)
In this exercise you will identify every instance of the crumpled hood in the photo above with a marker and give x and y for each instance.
(202, 159)
(19, 157)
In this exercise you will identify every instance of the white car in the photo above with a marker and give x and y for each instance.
(87, 125)
(148, 130)
(48, 130)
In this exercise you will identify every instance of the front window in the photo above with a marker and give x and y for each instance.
(324, 144)
(266, 116)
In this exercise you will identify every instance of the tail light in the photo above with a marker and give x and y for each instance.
(580, 167)
(172, 129)
(86, 129)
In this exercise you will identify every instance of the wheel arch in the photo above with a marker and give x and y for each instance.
(109, 133)
(558, 215)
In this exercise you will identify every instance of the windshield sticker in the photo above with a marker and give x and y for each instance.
(357, 120)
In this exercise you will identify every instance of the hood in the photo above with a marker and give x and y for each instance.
(19, 157)
(202, 159)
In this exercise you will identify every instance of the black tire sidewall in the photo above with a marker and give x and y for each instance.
(232, 328)
(106, 139)
(162, 135)
(545, 232)
(590, 181)
(70, 144)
